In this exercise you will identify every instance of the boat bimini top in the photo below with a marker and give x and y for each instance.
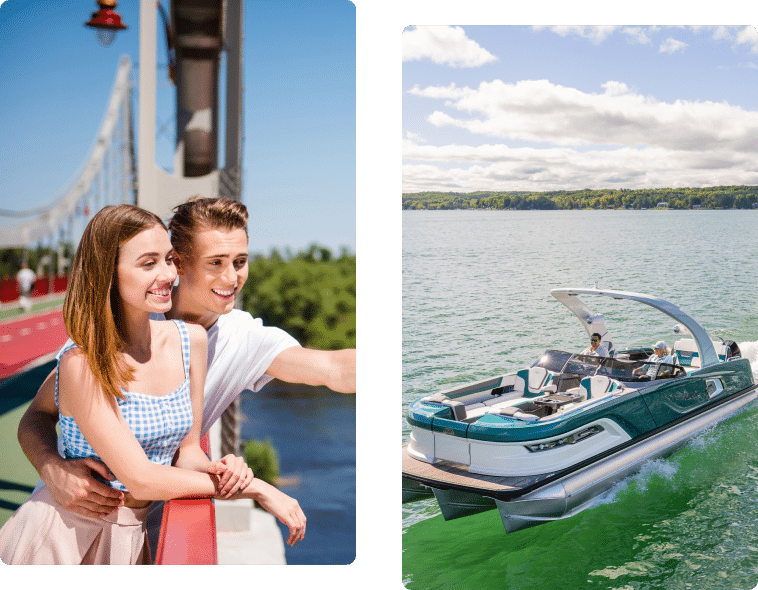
(596, 322)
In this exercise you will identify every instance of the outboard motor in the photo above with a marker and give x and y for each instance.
(732, 350)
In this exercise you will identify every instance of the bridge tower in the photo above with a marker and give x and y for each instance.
(200, 29)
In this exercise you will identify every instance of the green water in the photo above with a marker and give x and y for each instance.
(476, 304)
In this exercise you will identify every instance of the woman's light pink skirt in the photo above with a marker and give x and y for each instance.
(42, 532)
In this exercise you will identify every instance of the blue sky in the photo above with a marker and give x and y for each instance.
(299, 150)
(564, 107)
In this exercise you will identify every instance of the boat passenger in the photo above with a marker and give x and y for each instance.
(660, 355)
(596, 348)
(110, 390)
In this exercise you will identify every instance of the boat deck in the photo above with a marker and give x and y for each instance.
(446, 474)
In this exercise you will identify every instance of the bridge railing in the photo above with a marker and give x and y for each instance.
(188, 530)
(43, 286)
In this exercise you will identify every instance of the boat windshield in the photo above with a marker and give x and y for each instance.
(557, 361)
(553, 360)
(583, 365)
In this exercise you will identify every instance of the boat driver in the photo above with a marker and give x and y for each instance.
(660, 355)
(595, 348)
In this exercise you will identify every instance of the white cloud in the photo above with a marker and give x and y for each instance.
(735, 35)
(615, 88)
(719, 32)
(414, 137)
(671, 45)
(640, 34)
(748, 36)
(451, 91)
(498, 167)
(540, 111)
(614, 139)
(444, 45)
(596, 34)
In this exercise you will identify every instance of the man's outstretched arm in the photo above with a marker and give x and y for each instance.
(333, 368)
(70, 482)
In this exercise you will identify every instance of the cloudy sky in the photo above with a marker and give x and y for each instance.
(547, 108)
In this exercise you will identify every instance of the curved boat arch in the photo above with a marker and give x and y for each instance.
(569, 298)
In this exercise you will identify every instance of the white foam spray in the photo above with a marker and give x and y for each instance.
(664, 468)
(749, 351)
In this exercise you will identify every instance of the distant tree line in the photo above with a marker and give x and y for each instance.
(310, 295)
(12, 258)
(716, 197)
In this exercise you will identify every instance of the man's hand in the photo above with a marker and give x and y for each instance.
(73, 487)
(233, 475)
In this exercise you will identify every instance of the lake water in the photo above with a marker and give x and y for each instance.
(476, 303)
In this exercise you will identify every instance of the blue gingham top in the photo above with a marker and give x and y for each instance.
(159, 423)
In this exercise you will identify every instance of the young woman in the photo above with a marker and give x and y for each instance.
(129, 394)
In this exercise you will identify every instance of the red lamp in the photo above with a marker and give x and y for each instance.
(106, 21)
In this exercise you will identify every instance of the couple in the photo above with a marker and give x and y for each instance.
(129, 391)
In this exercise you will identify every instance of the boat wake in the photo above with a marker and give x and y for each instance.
(750, 351)
(655, 468)
(701, 458)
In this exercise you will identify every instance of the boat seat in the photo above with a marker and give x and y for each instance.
(596, 386)
(517, 413)
(686, 353)
(532, 380)
(458, 408)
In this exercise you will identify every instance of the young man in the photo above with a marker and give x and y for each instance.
(210, 238)
(595, 349)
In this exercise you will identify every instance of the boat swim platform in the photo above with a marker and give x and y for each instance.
(449, 475)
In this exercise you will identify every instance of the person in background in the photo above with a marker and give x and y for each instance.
(25, 279)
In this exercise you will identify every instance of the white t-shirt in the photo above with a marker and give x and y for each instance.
(240, 350)
(601, 350)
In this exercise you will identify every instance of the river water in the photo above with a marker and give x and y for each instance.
(313, 431)
(476, 303)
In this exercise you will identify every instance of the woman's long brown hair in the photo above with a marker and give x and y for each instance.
(91, 310)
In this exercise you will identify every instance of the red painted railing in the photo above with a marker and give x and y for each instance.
(9, 287)
(188, 530)
(188, 533)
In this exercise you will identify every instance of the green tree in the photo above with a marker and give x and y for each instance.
(311, 296)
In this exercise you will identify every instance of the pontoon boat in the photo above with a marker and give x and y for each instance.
(541, 443)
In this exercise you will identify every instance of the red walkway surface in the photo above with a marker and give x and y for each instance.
(28, 338)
